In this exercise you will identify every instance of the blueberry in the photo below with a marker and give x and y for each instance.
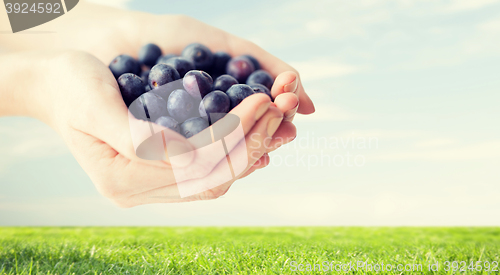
(148, 54)
(124, 64)
(154, 106)
(197, 83)
(261, 77)
(259, 88)
(169, 123)
(138, 110)
(220, 62)
(200, 55)
(181, 64)
(254, 61)
(240, 68)
(163, 92)
(144, 75)
(193, 126)
(131, 87)
(239, 92)
(214, 106)
(148, 107)
(164, 58)
(181, 105)
(162, 74)
(224, 81)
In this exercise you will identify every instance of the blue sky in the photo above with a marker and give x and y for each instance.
(417, 78)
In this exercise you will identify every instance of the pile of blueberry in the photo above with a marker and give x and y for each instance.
(198, 101)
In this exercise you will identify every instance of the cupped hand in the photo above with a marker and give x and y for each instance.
(107, 32)
(83, 104)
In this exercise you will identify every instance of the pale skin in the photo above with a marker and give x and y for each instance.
(62, 79)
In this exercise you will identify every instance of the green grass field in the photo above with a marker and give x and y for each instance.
(245, 250)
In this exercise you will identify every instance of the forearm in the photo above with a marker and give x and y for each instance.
(21, 82)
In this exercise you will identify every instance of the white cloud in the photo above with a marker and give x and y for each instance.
(490, 26)
(484, 41)
(436, 142)
(318, 26)
(484, 150)
(329, 112)
(380, 133)
(466, 5)
(321, 69)
(337, 19)
(38, 148)
(422, 146)
(122, 4)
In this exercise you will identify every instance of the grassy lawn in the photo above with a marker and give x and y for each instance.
(243, 250)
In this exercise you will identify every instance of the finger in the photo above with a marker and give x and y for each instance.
(248, 172)
(288, 104)
(259, 139)
(251, 109)
(307, 106)
(286, 133)
(261, 163)
(286, 82)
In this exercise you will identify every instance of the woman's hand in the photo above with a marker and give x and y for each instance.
(77, 95)
(107, 32)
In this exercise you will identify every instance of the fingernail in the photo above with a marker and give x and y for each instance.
(180, 153)
(291, 113)
(261, 110)
(291, 87)
(273, 125)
